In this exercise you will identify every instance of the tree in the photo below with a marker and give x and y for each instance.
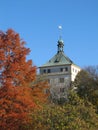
(16, 74)
(93, 71)
(86, 83)
(77, 114)
(40, 90)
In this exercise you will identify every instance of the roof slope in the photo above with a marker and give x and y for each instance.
(58, 59)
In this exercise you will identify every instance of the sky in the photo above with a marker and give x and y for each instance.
(37, 23)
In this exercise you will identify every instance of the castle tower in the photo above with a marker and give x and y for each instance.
(60, 72)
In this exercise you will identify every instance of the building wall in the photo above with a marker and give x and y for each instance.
(74, 71)
(60, 78)
(59, 85)
(55, 69)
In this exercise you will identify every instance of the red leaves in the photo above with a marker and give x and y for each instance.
(16, 74)
(17, 98)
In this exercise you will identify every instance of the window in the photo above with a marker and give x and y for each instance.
(62, 90)
(73, 69)
(61, 80)
(49, 71)
(61, 69)
(44, 71)
(66, 68)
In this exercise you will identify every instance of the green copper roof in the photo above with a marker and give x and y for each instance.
(58, 59)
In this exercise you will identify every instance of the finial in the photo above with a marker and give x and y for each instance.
(60, 41)
(60, 31)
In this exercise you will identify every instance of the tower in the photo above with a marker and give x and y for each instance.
(60, 72)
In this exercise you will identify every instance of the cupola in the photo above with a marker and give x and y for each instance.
(60, 45)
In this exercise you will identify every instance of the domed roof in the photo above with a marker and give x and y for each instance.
(61, 41)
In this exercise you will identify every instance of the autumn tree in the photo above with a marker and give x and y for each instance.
(16, 76)
(40, 90)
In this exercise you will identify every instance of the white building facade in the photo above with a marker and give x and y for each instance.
(60, 72)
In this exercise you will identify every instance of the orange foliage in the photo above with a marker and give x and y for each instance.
(15, 105)
(38, 89)
(17, 98)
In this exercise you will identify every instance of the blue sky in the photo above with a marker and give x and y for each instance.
(37, 23)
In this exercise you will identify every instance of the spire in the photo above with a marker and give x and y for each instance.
(60, 41)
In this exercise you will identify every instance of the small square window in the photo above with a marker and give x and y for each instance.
(73, 69)
(49, 71)
(44, 71)
(62, 90)
(61, 80)
(66, 68)
(61, 69)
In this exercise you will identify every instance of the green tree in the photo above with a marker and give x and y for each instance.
(75, 115)
(86, 83)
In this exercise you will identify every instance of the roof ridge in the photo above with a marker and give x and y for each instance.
(68, 58)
